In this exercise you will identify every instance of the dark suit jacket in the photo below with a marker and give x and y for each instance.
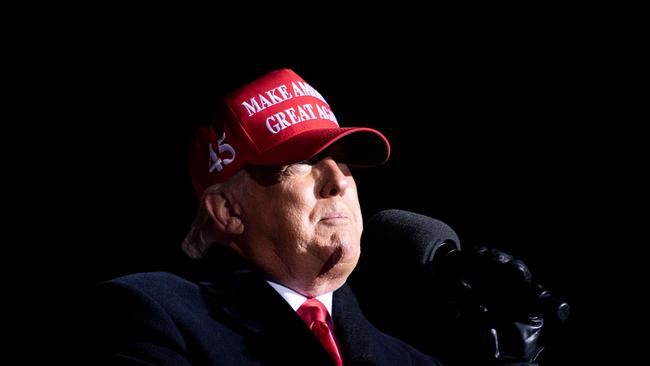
(227, 316)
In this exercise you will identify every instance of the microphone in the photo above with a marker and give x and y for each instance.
(407, 242)
(421, 250)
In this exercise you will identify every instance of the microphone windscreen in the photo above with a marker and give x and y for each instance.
(403, 241)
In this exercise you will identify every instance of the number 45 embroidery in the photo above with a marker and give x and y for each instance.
(215, 161)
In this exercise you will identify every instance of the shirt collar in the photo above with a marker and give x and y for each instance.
(295, 299)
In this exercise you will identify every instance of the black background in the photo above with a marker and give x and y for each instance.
(514, 131)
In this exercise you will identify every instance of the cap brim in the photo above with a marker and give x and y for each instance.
(364, 147)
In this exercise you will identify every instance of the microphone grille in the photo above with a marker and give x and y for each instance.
(402, 238)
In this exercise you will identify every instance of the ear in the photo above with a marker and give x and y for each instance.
(225, 213)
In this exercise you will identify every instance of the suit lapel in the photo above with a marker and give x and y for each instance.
(238, 296)
(351, 328)
(361, 342)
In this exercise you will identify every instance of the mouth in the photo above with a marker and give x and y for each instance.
(335, 218)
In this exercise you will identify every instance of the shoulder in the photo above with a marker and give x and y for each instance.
(143, 301)
(152, 283)
(165, 291)
(143, 316)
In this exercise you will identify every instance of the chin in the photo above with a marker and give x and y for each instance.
(340, 271)
(332, 281)
(342, 254)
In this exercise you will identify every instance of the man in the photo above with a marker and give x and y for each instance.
(277, 235)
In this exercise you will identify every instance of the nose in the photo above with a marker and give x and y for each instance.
(335, 181)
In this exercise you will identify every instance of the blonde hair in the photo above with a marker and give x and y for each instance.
(200, 237)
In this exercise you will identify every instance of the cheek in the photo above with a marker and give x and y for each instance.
(296, 199)
(292, 210)
(353, 202)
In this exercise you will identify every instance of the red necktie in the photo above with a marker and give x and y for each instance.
(314, 313)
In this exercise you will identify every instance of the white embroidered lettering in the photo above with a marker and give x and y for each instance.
(215, 161)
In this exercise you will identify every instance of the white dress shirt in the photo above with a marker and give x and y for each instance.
(295, 299)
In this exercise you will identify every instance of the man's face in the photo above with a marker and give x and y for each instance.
(302, 224)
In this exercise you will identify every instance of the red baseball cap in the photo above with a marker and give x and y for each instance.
(276, 120)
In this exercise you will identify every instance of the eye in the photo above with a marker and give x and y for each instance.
(300, 168)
